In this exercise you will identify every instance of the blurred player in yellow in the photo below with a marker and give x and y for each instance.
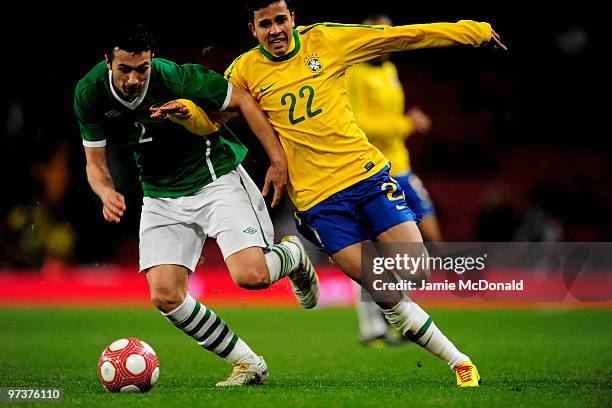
(338, 181)
(378, 102)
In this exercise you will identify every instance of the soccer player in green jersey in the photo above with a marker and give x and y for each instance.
(194, 187)
(339, 182)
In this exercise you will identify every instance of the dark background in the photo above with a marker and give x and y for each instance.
(519, 148)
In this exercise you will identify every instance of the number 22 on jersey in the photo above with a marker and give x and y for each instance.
(293, 101)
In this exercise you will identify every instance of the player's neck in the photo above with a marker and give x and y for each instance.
(291, 46)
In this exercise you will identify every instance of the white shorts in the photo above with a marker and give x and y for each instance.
(230, 209)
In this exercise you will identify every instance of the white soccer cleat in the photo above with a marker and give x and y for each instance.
(247, 374)
(304, 279)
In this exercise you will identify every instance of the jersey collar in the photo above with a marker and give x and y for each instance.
(289, 55)
(130, 105)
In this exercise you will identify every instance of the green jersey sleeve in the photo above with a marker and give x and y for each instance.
(92, 131)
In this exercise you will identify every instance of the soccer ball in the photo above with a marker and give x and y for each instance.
(128, 365)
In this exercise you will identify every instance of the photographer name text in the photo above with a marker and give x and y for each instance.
(471, 285)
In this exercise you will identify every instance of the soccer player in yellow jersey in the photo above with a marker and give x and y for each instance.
(378, 102)
(338, 181)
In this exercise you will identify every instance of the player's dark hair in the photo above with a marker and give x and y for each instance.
(252, 6)
(133, 38)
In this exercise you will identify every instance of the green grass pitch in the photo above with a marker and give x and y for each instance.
(526, 358)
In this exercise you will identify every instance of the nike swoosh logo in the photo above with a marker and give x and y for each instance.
(264, 90)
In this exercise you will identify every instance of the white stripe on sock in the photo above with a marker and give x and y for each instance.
(225, 342)
(206, 342)
(196, 320)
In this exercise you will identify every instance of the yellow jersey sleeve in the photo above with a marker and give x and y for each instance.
(199, 122)
(358, 43)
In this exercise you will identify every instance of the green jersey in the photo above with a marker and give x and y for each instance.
(171, 161)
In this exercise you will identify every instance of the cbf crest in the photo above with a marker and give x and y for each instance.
(314, 64)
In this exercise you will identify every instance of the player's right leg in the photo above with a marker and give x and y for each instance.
(258, 268)
(247, 241)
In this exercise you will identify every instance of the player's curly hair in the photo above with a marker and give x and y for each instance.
(134, 38)
(252, 6)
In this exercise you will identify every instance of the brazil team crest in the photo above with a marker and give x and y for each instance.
(314, 64)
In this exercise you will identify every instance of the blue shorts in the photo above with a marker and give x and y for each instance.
(416, 195)
(357, 213)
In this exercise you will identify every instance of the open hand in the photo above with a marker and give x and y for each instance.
(113, 206)
(495, 41)
(420, 120)
(277, 176)
(160, 112)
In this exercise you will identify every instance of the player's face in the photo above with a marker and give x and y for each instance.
(130, 71)
(273, 27)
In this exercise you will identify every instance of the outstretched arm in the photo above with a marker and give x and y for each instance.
(359, 43)
(101, 183)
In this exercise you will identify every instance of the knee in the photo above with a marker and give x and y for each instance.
(252, 277)
(166, 298)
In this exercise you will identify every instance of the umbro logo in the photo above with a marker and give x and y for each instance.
(112, 114)
(250, 230)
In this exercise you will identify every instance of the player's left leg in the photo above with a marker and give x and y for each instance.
(392, 223)
(373, 327)
(411, 320)
(170, 245)
(168, 288)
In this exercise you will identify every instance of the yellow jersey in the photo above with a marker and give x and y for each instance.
(303, 93)
(377, 98)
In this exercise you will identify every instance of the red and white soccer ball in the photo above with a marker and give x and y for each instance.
(128, 365)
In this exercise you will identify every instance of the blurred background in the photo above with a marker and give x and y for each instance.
(517, 151)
